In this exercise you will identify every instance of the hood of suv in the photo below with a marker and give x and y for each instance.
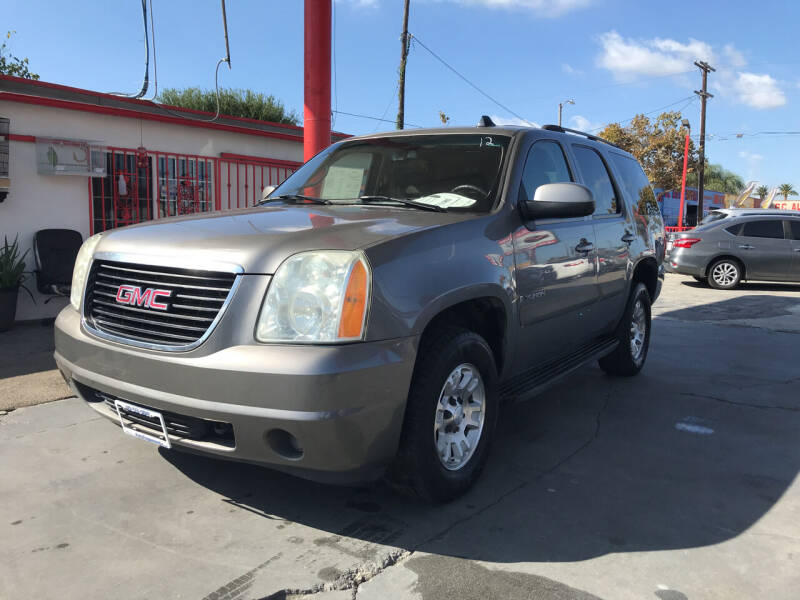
(260, 239)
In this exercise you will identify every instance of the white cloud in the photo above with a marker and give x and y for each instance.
(498, 120)
(570, 70)
(360, 3)
(581, 123)
(735, 58)
(626, 58)
(541, 8)
(750, 156)
(753, 161)
(758, 91)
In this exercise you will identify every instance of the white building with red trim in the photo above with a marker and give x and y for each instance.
(90, 161)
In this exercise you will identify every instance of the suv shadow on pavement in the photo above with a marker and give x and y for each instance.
(596, 465)
(747, 286)
(737, 308)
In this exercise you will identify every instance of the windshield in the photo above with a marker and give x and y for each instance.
(457, 172)
(714, 215)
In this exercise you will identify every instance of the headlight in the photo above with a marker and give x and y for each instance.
(319, 296)
(81, 270)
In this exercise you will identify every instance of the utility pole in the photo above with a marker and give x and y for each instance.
(401, 85)
(704, 95)
(560, 108)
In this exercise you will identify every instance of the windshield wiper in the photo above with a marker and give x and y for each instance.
(295, 197)
(403, 201)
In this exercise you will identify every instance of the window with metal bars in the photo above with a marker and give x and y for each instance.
(123, 196)
(185, 185)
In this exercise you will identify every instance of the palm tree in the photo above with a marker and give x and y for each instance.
(786, 190)
(761, 192)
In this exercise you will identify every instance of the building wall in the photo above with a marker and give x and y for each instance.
(48, 201)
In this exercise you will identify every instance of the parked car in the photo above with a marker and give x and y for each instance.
(725, 213)
(372, 314)
(749, 246)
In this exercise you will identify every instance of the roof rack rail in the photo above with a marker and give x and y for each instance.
(583, 133)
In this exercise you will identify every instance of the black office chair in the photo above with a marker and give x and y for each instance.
(55, 251)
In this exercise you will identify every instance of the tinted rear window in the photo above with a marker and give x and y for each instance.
(597, 178)
(795, 228)
(772, 228)
(714, 215)
(636, 184)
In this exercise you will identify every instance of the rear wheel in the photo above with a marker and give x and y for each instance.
(724, 274)
(450, 417)
(633, 334)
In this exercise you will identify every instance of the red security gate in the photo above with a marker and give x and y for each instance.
(243, 178)
(123, 196)
(186, 184)
(133, 191)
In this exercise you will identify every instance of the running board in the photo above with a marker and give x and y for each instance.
(534, 381)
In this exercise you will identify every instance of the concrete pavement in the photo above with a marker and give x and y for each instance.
(679, 483)
(28, 373)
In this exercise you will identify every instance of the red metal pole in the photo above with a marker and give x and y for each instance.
(683, 180)
(317, 79)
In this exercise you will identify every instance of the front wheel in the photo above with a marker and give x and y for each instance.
(450, 417)
(633, 334)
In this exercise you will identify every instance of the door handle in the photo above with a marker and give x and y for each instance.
(628, 238)
(746, 246)
(584, 247)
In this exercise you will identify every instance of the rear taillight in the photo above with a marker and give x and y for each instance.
(685, 242)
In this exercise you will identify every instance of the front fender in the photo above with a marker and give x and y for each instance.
(415, 277)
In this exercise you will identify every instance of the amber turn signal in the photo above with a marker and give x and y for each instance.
(351, 325)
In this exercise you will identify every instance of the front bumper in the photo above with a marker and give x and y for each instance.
(343, 404)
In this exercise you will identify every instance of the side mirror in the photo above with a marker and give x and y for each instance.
(268, 189)
(559, 201)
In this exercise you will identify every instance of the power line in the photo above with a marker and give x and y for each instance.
(155, 65)
(145, 81)
(688, 100)
(341, 112)
(388, 106)
(414, 38)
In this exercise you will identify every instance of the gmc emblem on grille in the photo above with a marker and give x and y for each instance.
(130, 294)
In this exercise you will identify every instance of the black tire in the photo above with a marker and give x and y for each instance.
(622, 360)
(417, 469)
(724, 274)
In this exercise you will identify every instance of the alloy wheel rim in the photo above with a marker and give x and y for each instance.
(460, 415)
(638, 331)
(724, 274)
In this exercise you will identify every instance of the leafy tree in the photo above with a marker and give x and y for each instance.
(14, 65)
(786, 190)
(232, 102)
(718, 179)
(657, 144)
(762, 191)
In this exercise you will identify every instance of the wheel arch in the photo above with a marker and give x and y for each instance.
(646, 271)
(480, 309)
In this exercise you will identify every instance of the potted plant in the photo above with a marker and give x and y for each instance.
(12, 276)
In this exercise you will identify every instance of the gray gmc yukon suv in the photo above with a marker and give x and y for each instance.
(372, 315)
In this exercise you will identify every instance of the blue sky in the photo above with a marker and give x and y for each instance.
(615, 58)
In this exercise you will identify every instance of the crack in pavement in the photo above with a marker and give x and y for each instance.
(742, 404)
(353, 578)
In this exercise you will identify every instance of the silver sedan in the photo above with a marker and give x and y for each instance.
(756, 247)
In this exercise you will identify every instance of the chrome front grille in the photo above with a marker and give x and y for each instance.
(161, 307)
